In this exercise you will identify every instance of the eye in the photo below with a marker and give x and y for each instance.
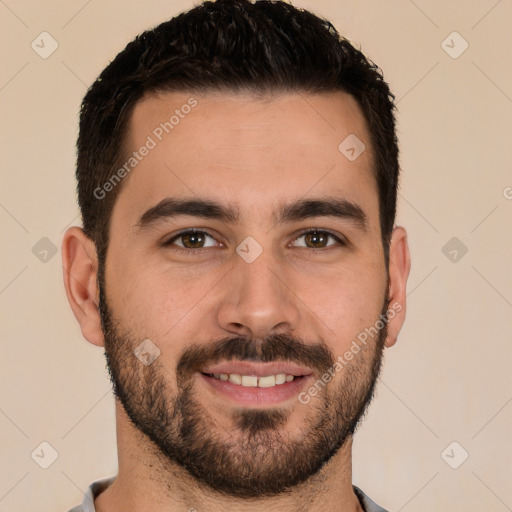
(194, 239)
(191, 239)
(318, 239)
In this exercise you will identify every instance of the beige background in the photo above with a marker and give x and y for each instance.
(447, 379)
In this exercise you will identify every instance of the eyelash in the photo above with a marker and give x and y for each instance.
(169, 243)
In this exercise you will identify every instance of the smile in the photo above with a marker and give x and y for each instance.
(255, 384)
(253, 381)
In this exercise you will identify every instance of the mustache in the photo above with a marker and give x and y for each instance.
(277, 347)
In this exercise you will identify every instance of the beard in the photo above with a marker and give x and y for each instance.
(258, 456)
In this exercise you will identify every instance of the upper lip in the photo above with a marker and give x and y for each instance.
(258, 369)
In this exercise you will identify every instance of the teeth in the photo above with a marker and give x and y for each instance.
(251, 381)
(234, 378)
(280, 378)
(267, 382)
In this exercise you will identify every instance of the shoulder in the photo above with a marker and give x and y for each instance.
(92, 492)
(367, 504)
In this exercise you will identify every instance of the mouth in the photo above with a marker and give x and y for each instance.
(256, 384)
(253, 381)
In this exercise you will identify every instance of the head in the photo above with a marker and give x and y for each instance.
(242, 113)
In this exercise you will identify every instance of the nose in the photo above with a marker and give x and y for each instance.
(259, 301)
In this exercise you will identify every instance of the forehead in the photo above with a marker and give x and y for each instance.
(246, 151)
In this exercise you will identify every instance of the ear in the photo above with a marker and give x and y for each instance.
(399, 267)
(80, 266)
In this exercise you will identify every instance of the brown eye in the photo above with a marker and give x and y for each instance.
(318, 239)
(191, 240)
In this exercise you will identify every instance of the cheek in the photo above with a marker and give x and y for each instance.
(167, 307)
(150, 306)
(347, 304)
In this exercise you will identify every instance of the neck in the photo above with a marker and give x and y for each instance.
(148, 482)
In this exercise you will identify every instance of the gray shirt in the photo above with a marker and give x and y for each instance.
(99, 486)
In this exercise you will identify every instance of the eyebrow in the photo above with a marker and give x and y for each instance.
(171, 207)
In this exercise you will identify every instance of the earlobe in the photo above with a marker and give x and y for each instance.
(399, 268)
(80, 265)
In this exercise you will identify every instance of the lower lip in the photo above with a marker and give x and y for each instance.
(256, 396)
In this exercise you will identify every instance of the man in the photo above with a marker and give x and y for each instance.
(237, 177)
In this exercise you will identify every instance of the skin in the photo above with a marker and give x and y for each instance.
(253, 154)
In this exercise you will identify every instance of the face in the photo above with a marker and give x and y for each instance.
(245, 248)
